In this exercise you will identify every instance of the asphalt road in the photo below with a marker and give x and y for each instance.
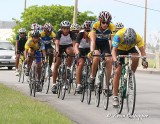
(147, 103)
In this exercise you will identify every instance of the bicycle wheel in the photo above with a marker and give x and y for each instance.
(105, 91)
(46, 83)
(59, 85)
(73, 77)
(88, 95)
(64, 83)
(97, 94)
(131, 93)
(30, 82)
(23, 71)
(20, 71)
(121, 94)
(84, 77)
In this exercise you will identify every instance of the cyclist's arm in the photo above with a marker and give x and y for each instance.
(114, 54)
(57, 45)
(17, 42)
(142, 50)
(93, 40)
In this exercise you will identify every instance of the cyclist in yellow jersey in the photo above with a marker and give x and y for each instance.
(100, 37)
(124, 42)
(35, 46)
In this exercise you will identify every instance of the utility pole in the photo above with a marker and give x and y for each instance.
(145, 23)
(25, 3)
(75, 11)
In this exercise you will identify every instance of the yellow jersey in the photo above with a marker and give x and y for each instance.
(118, 41)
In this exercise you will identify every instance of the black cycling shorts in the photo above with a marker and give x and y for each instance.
(122, 52)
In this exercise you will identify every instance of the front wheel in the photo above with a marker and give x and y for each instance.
(131, 93)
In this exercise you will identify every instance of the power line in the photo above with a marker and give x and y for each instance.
(136, 5)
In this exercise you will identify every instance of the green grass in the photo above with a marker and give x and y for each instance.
(16, 108)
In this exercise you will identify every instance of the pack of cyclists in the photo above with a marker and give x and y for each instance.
(92, 38)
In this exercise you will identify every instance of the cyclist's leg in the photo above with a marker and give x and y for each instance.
(29, 60)
(50, 49)
(39, 66)
(79, 68)
(17, 62)
(105, 48)
(69, 50)
(135, 61)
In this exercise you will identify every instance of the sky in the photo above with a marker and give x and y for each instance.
(131, 16)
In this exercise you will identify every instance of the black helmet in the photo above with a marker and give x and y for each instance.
(36, 33)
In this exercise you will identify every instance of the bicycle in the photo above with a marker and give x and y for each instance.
(127, 87)
(46, 75)
(33, 76)
(72, 80)
(102, 82)
(85, 76)
(63, 79)
(21, 67)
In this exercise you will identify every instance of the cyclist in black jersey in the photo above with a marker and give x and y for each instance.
(82, 48)
(21, 39)
(64, 42)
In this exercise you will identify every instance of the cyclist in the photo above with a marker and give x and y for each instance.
(100, 37)
(64, 42)
(34, 26)
(21, 39)
(124, 42)
(48, 37)
(82, 48)
(33, 47)
(75, 28)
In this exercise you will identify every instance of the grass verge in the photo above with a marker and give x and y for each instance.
(16, 108)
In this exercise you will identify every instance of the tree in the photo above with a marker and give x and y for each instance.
(53, 14)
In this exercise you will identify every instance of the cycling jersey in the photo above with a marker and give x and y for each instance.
(47, 39)
(83, 43)
(29, 34)
(65, 40)
(35, 46)
(21, 42)
(105, 35)
(118, 41)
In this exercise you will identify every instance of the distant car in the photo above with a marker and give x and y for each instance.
(7, 54)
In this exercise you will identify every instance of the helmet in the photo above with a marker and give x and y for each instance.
(34, 26)
(22, 30)
(119, 25)
(105, 16)
(48, 27)
(65, 24)
(130, 36)
(75, 27)
(87, 24)
(36, 33)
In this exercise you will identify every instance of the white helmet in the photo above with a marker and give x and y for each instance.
(65, 24)
(130, 36)
(48, 27)
(119, 25)
(34, 26)
(105, 16)
(75, 27)
(22, 30)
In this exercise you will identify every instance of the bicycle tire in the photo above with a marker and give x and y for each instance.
(46, 79)
(20, 72)
(105, 93)
(73, 77)
(64, 82)
(88, 95)
(121, 95)
(131, 81)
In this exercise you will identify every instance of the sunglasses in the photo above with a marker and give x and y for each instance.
(105, 22)
(22, 33)
(36, 37)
